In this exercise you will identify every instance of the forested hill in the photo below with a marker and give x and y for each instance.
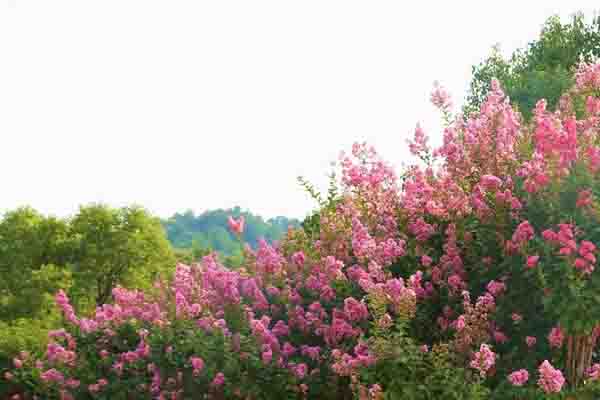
(210, 229)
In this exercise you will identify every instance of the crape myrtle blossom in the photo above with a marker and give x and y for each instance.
(236, 225)
(519, 378)
(551, 379)
(483, 360)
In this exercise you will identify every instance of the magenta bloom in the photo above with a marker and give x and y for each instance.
(426, 261)
(355, 309)
(236, 226)
(532, 261)
(519, 378)
(460, 323)
(490, 182)
(556, 337)
(219, 379)
(551, 379)
(440, 97)
(594, 372)
(483, 360)
(197, 365)
(53, 375)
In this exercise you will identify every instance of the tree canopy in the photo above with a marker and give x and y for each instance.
(544, 69)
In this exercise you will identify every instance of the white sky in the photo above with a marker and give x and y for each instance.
(209, 104)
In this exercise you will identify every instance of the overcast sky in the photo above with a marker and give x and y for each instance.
(197, 105)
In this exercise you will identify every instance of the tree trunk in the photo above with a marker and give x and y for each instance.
(579, 357)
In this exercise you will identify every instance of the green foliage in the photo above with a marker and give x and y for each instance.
(87, 256)
(29, 244)
(311, 224)
(116, 247)
(542, 70)
(412, 373)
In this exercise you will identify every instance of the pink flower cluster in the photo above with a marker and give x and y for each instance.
(551, 379)
(483, 360)
(519, 378)
(582, 254)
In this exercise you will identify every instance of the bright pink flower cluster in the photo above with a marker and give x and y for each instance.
(551, 379)
(519, 378)
(483, 360)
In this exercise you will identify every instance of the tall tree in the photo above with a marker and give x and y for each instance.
(113, 247)
(544, 69)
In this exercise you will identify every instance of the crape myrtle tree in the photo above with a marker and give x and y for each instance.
(470, 276)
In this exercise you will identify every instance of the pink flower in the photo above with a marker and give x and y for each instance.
(300, 370)
(298, 258)
(584, 198)
(267, 355)
(516, 317)
(72, 383)
(594, 372)
(532, 261)
(556, 337)
(531, 341)
(551, 379)
(219, 379)
(460, 323)
(236, 226)
(483, 360)
(17, 362)
(496, 288)
(519, 378)
(440, 97)
(197, 365)
(490, 182)
(356, 310)
(419, 143)
(426, 260)
(500, 337)
(52, 375)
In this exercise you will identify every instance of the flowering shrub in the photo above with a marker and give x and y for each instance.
(473, 271)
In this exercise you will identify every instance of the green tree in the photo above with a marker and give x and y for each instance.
(33, 256)
(544, 69)
(112, 247)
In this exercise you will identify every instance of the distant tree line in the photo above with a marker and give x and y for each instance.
(209, 230)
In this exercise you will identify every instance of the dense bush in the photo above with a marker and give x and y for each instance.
(472, 276)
